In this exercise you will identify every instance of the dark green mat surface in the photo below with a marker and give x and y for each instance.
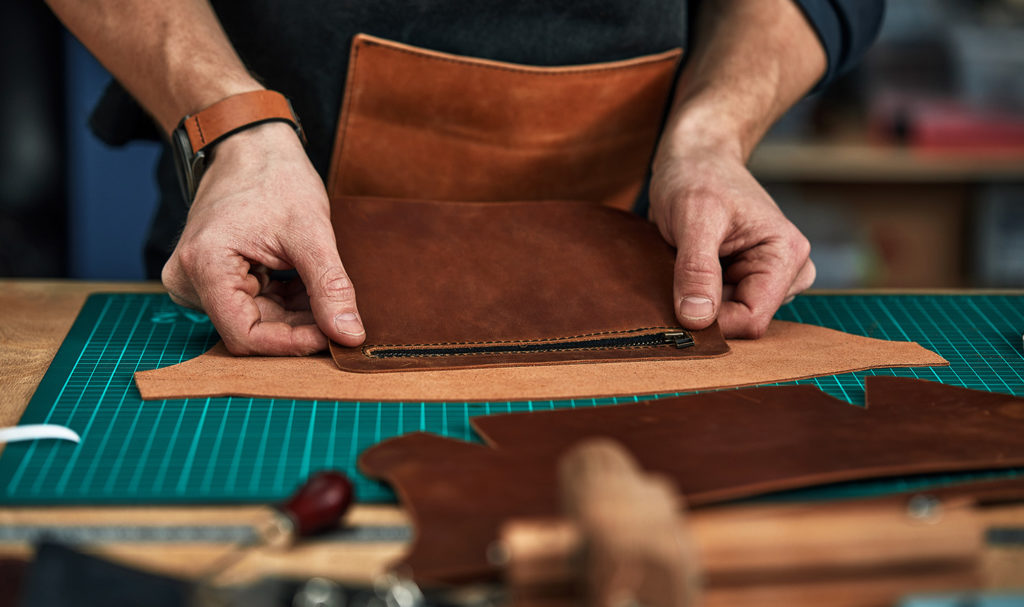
(256, 450)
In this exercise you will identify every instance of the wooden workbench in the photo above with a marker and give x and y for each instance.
(35, 316)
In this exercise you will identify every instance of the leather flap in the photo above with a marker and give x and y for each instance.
(417, 123)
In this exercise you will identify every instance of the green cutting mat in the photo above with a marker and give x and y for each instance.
(256, 449)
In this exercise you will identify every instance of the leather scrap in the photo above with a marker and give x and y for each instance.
(458, 285)
(715, 446)
(787, 351)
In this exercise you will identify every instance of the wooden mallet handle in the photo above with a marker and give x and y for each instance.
(626, 541)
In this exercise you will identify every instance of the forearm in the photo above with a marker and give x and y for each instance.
(751, 61)
(174, 57)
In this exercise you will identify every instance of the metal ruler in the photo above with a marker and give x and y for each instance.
(117, 534)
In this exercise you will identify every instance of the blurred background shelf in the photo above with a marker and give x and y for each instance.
(909, 171)
(874, 163)
(883, 215)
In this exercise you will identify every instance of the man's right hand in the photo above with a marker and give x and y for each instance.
(261, 206)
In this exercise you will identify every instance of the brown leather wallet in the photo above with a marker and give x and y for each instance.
(459, 284)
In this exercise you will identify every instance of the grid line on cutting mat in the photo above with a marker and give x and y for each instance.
(235, 449)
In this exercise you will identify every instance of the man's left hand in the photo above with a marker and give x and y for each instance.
(738, 258)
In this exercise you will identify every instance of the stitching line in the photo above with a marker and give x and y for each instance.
(547, 70)
(368, 351)
(503, 353)
(199, 127)
(526, 341)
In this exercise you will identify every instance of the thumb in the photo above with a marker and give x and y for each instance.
(332, 296)
(698, 280)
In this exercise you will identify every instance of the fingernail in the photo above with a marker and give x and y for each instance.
(695, 307)
(348, 323)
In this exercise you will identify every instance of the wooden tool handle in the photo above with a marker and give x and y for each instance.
(626, 536)
(636, 550)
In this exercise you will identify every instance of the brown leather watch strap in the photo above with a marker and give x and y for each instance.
(237, 112)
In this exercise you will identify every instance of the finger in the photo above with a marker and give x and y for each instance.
(272, 311)
(803, 281)
(753, 304)
(178, 286)
(227, 290)
(763, 282)
(698, 275)
(239, 320)
(332, 296)
(261, 273)
(184, 292)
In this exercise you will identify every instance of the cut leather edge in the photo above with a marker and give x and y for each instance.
(977, 491)
(789, 351)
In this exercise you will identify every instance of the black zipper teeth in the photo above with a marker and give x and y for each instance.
(680, 339)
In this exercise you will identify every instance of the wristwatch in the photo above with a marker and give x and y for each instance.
(195, 135)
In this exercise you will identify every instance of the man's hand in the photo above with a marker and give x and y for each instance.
(708, 205)
(261, 206)
(738, 257)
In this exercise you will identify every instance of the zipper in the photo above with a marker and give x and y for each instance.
(637, 338)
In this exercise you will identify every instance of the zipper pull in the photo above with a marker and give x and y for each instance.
(679, 339)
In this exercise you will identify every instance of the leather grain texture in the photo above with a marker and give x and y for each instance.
(228, 115)
(422, 124)
(714, 446)
(531, 282)
(787, 351)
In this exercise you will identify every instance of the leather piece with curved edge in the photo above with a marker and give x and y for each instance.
(539, 282)
(422, 124)
(787, 351)
(714, 446)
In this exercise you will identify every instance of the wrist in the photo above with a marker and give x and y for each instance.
(198, 135)
(198, 94)
(268, 138)
(698, 127)
(267, 157)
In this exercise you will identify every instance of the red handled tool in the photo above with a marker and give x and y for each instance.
(317, 506)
